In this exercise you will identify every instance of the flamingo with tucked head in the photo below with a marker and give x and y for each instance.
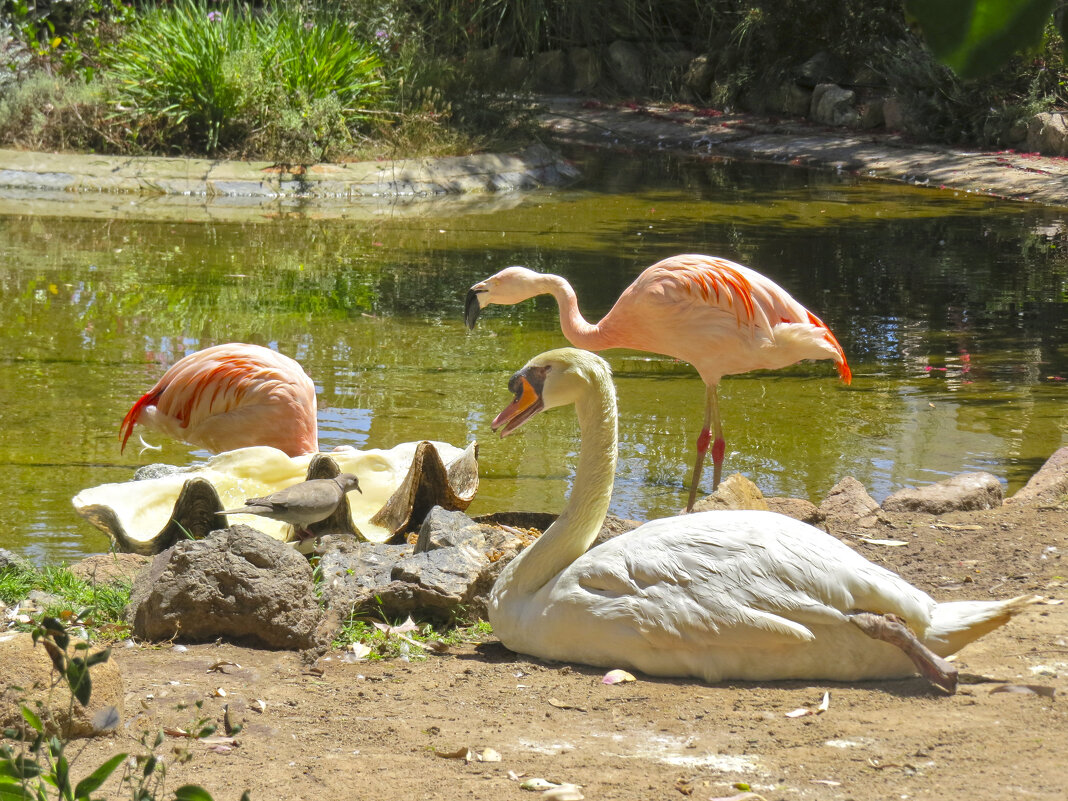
(232, 396)
(721, 317)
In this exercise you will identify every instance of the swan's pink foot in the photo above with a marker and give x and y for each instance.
(892, 629)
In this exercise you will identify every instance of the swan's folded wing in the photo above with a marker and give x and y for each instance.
(728, 579)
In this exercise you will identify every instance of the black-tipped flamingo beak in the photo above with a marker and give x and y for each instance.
(472, 306)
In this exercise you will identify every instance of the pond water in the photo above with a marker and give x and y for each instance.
(950, 308)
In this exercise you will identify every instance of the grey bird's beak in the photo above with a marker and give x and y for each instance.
(472, 306)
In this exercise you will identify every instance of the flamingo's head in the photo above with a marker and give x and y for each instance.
(554, 378)
(510, 285)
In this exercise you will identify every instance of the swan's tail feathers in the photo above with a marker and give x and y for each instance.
(954, 624)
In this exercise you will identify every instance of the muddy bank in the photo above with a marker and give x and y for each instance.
(797, 142)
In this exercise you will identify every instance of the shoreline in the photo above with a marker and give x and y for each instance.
(164, 188)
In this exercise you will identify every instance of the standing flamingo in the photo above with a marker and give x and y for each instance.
(719, 316)
(232, 396)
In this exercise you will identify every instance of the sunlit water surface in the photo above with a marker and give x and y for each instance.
(951, 309)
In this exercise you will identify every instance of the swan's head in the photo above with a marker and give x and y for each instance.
(554, 378)
(510, 285)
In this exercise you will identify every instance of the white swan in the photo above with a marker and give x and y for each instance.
(715, 595)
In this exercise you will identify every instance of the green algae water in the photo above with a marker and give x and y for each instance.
(950, 308)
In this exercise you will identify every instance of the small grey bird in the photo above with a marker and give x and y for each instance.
(301, 504)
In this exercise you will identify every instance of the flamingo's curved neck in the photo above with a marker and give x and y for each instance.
(578, 525)
(578, 331)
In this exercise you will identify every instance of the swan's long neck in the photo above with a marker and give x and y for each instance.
(577, 527)
(578, 331)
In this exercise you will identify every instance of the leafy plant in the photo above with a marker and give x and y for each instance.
(41, 767)
(172, 70)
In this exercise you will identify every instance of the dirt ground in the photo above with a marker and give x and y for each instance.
(396, 729)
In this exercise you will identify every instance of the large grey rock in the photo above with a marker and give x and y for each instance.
(962, 493)
(698, 76)
(585, 69)
(446, 576)
(627, 66)
(237, 583)
(28, 679)
(110, 568)
(798, 509)
(1047, 133)
(820, 69)
(1049, 486)
(833, 105)
(735, 492)
(9, 559)
(550, 71)
(848, 501)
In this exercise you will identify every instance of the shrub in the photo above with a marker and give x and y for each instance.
(202, 80)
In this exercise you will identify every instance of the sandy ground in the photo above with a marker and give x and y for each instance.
(396, 729)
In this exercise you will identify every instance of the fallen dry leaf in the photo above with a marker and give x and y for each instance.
(218, 740)
(564, 792)
(218, 666)
(259, 705)
(406, 626)
(359, 650)
(617, 677)
(802, 711)
(463, 752)
(1026, 689)
(563, 705)
(888, 543)
(489, 755)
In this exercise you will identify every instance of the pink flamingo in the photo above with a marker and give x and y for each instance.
(719, 316)
(231, 396)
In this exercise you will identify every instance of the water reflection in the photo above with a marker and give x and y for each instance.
(951, 310)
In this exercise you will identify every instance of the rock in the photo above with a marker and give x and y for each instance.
(352, 571)
(1047, 133)
(110, 568)
(627, 67)
(822, 68)
(9, 559)
(699, 74)
(585, 69)
(28, 680)
(798, 509)
(848, 501)
(445, 577)
(833, 105)
(550, 71)
(237, 583)
(870, 114)
(1049, 486)
(962, 493)
(894, 114)
(735, 492)
(796, 100)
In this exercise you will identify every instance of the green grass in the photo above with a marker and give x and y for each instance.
(101, 607)
(385, 645)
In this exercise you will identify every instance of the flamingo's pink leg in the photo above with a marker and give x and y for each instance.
(712, 423)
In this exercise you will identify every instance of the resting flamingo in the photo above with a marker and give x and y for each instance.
(715, 595)
(719, 316)
(232, 396)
